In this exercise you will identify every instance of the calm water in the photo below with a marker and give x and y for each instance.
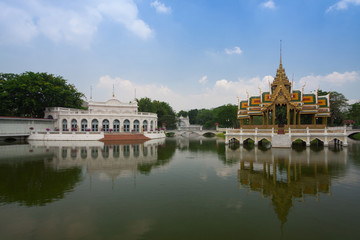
(178, 189)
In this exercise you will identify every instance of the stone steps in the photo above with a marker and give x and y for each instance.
(123, 136)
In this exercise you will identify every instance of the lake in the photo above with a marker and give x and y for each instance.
(178, 188)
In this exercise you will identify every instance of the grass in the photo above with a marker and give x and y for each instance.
(222, 135)
(356, 136)
(170, 134)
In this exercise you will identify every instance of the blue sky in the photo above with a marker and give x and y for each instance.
(191, 54)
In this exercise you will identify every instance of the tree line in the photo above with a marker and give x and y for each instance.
(29, 93)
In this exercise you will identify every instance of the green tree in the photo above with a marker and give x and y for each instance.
(145, 105)
(29, 93)
(182, 113)
(226, 115)
(193, 116)
(338, 107)
(206, 118)
(166, 115)
(354, 113)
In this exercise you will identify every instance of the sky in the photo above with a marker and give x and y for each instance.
(189, 53)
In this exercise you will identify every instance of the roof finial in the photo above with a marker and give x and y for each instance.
(113, 93)
(90, 93)
(280, 52)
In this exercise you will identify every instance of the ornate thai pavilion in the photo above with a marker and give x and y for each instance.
(282, 96)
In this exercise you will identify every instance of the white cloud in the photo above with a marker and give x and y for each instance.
(203, 80)
(75, 24)
(269, 4)
(352, 101)
(160, 7)
(125, 12)
(235, 50)
(16, 25)
(222, 92)
(332, 80)
(343, 5)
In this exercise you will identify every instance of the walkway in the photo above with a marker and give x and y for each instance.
(325, 135)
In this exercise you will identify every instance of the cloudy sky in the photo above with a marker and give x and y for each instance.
(191, 54)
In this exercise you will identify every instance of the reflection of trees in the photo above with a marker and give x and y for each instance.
(164, 154)
(33, 183)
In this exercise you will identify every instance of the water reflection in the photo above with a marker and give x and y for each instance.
(285, 175)
(112, 161)
(43, 172)
(26, 178)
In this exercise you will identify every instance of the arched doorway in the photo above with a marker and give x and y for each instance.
(126, 126)
(83, 125)
(116, 126)
(281, 115)
(145, 123)
(94, 125)
(64, 125)
(73, 125)
(105, 125)
(136, 126)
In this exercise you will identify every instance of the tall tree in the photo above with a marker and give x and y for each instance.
(354, 113)
(193, 116)
(338, 107)
(29, 93)
(226, 115)
(166, 115)
(145, 105)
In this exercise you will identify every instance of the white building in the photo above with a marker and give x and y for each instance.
(111, 115)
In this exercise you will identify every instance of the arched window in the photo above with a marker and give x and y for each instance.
(116, 125)
(105, 125)
(151, 126)
(64, 125)
(136, 125)
(74, 125)
(145, 123)
(94, 125)
(126, 150)
(105, 151)
(83, 125)
(116, 151)
(136, 148)
(126, 126)
(83, 153)
(50, 117)
(94, 153)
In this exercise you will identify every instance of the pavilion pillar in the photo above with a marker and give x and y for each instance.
(299, 118)
(287, 115)
(294, 118)
(267, 117)
(314, 120)
(251, 120)
(273, 116)
(263, 116)
(325, 121)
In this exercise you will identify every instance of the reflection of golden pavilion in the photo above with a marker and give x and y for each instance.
(284, 175)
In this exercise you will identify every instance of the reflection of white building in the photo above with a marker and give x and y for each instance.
(111, 115)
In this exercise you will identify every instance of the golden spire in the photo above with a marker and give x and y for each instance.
(280, 53)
